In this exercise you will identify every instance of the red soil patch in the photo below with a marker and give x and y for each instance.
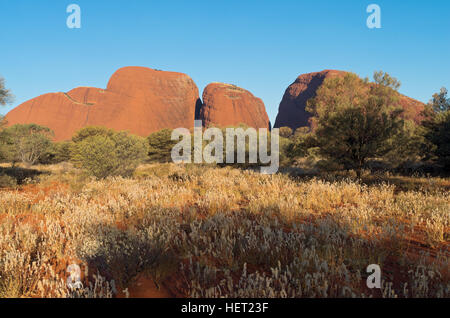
(145, 287)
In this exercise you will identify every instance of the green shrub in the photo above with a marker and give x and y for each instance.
(92, 131)
(356, 121)
(436, 130)
(160, 146)
(58, 152)
(438, 133)
(112, 154)
(26, 143)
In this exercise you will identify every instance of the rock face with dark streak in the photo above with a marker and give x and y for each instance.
(229, 105)
(137, 99)
(292, 112)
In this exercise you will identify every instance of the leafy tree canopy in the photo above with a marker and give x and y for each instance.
(6, 96)
(108, 153)
(26, 143)
(355, 120)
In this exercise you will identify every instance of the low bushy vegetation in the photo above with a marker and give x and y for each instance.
(108, 154)
(202, 231)
(160, 146)
(25, 143)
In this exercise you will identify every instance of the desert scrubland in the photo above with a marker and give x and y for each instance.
(203, 231)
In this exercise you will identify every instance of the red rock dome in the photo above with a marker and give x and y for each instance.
(138, 99)
(229, 105)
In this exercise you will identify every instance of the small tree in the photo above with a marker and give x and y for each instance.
(5, 94)
(3, 122)
(440, 137)
(384, 80)
(3, 140)
(437, 127)
(57, 152)
(104, 155)
(27, 143)
(406, 145)
(352, 135)
(5, 98)
(356, 120)
(440, 102)
(160, 145)
(91, 131)
(302, 141)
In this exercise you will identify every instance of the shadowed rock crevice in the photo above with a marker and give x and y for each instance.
(292, 112)
(198, 108)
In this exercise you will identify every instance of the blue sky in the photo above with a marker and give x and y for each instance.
(259, 45)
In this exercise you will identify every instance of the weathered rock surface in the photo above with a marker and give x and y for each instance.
(229, 105)
(292, 112)
(137, 99)
(142, 100)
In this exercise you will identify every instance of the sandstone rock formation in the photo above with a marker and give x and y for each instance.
(229, 105)
(137, 99)
(292, 112)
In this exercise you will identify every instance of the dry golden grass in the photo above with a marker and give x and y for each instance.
(201, 231)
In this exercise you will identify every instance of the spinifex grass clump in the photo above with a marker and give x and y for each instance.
(221, 232)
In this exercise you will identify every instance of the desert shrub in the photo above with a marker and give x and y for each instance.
(226, 233)
(302, 141)
(26, 143)
(437, 128)
(356, 120)
(285, 146)
(92, 131)
(441, 139)
(160, 146)
(286, 156)
(57, 152)
(286, 132)
(116, 154)
(405, 146)
(3, 155)
(6, 97)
